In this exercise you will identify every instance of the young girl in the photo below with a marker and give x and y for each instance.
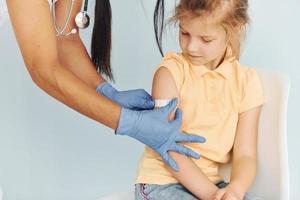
(220, 99)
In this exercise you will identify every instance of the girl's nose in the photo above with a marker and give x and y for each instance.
(192, 46)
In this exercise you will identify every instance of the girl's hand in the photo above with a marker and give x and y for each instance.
(228, 193)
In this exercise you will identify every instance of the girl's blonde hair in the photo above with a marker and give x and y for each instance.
(231, 14)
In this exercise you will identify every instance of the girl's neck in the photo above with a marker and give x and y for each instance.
(216, 63)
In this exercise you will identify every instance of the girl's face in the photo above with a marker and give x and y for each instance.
(202, 41)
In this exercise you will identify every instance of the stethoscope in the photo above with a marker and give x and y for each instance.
(82, 19)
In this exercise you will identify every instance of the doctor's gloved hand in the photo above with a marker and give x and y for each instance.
(155, 130)
(132, 99)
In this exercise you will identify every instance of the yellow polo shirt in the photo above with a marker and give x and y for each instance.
(211, 101)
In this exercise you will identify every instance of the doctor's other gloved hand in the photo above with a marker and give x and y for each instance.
(132, 99)
(153, 128)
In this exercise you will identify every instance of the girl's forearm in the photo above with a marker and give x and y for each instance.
(58, 82)
(193, 178)
(239, 179)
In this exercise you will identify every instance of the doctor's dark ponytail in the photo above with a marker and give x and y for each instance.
(101, 38)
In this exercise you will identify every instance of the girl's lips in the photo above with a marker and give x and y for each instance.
(195, 57)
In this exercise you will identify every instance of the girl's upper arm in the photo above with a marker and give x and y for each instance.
(163, 85)
(246, 134)
(34, 31)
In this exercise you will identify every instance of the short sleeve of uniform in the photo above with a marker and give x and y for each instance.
(174, 64)
(252, 95)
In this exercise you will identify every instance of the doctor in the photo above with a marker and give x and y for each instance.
(59, 64)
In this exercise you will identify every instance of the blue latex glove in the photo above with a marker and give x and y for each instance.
(132, 99)
(155, 130)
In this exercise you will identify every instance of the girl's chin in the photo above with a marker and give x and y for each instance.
(197, 63)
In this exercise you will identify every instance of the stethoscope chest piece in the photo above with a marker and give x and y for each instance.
(82, 20)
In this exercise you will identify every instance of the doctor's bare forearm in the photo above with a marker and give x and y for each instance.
(74, 56)
(58, 82)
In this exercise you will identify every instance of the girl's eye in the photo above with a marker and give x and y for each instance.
(207, 41)
(184, 33)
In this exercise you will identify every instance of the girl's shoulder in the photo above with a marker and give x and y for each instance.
(177, 66)
(251, 88)
(172, 60)
(247, 77)
(175, 60)
(175, 57)
(244, 71)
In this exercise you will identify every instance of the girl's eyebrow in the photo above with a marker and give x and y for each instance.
(200, 36)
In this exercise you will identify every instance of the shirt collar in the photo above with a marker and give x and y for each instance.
(225, 68)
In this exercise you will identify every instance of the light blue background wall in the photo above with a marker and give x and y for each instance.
(48, 151)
